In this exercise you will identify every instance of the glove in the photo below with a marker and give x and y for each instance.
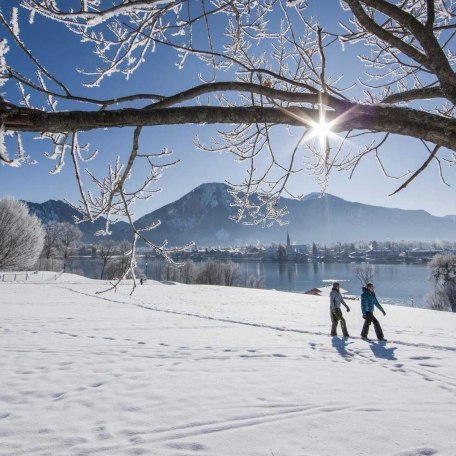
(348, 309)
(384, 313)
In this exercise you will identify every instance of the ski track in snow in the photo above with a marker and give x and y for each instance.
(185, 377)
(249, 323)
(380, 350)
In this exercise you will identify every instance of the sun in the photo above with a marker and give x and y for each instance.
(321, 130)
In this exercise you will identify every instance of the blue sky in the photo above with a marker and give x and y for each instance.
(61, 52)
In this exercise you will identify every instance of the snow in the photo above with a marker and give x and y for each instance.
(185, 369)
(14, 21)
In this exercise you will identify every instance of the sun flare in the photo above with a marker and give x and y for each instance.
(322, 130)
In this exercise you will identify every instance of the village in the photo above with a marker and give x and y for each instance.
(387, 252)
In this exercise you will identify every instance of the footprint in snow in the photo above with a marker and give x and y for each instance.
(104, 436)
(139, 451)
(418, 452)
(190, 446)
(137, 439)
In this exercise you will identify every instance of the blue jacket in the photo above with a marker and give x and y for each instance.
(368, 301)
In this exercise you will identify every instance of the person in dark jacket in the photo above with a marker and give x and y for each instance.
(368, 302)
(335, 300)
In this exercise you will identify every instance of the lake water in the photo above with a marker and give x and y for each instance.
(399, 284)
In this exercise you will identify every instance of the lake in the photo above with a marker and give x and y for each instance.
(400, 284)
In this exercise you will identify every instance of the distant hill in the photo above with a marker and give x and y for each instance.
(202, 215)
(59, 211)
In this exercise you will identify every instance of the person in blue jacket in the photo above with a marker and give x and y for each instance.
(368, 301)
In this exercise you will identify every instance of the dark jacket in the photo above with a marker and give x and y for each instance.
(368, 301)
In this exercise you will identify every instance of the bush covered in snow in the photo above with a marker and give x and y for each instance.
(443, 272)
(21, 235)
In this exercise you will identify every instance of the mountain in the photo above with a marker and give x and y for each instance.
(202, 215)
(451, 217)
(59, 211)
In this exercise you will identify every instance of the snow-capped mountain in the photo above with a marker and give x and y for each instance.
(202, 215)
(59, 211)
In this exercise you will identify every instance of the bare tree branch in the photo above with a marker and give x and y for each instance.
(418, 171)
(415, 94)
(404, 121)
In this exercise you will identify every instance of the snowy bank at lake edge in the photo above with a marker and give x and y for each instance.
(186, 369)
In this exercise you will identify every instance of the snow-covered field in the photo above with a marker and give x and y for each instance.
(186, 370)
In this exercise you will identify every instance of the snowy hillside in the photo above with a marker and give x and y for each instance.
(182, 370)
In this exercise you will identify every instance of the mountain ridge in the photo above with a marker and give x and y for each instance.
(315, 218)
(203, 215)
(60, 211)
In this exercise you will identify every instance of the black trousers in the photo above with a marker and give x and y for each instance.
(368, 319)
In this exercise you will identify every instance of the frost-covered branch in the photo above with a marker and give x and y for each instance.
(259, 70)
